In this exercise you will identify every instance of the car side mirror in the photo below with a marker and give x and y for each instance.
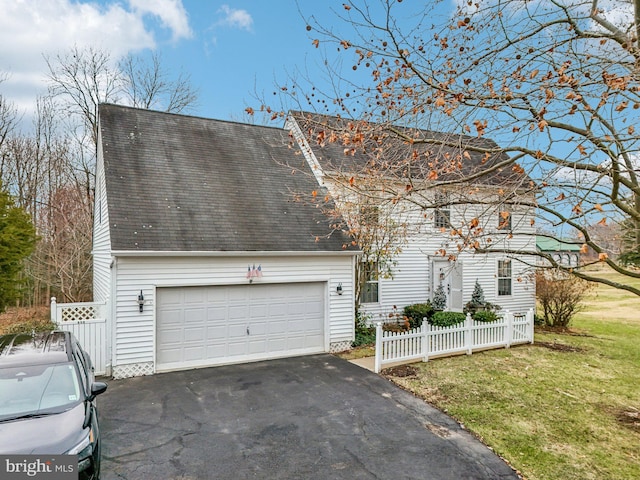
(97, 388)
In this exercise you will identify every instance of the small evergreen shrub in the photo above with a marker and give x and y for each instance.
(447, 319)
(485, 316)
(439, 301)
(416, 312)
(478, 294)
(478, 304)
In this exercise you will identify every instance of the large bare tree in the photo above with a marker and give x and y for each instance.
(55, 169)
(82, 78)
(556, 83)
(147, 84)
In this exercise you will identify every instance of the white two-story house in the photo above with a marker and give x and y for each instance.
(460, 211)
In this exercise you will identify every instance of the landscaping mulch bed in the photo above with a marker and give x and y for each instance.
(401, 371)
(559, 347)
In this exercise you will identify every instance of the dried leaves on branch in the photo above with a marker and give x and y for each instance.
(554, 85)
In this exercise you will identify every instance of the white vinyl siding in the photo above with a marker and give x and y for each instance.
(101, 248)
(412, 276)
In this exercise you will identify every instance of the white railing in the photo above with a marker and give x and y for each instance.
(88, 322)
(428, 341)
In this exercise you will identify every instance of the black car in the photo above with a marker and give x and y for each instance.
(47, 399)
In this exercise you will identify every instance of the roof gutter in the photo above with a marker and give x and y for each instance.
(168, 253)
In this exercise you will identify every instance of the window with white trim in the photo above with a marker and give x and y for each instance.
(442, 214)
(504, 277)
(504, 219)
(370, 289)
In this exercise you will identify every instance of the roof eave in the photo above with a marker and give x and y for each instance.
(270, 253)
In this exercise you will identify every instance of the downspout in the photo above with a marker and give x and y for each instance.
(111, 317)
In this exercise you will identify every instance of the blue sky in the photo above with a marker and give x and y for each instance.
(230, 48)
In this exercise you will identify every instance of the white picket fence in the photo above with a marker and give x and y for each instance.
(88, 322)
(428, 341)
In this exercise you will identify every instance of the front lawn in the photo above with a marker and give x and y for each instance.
(567, 407)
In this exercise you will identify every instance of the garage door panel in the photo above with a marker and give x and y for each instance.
(277, 328)
(220, 324)
(295, 309)
(236, 348)
(172, 317)
(194, 334)
(257, 346)
(171, 297)
(170, 336)
(216, 314)
(237, 331)
(192, 353)
(194, 296)
(216, 332)
(195, 315)
(277, 344)
(277, 310)
(311, 340)
(237, 312)
(217, 351)
(313, 308)
(257, 328)
(258, 311)
(239, 295)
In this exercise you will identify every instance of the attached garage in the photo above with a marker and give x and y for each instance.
(213, 325)
(212, 245)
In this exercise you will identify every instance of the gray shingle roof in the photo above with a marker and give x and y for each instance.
(178, 183)
(451, 156)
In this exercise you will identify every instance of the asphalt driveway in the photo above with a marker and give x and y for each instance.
(315, 417)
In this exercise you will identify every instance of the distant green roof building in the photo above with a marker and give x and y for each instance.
(564, 253)
(546, 244)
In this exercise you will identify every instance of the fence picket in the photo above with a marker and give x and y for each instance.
(426, 341)
(87, 322)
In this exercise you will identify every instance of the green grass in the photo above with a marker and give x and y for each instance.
(564, 408)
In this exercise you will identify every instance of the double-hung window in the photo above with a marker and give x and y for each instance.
(504, 277)
(370, 288)
(442, 214)
(504, 219)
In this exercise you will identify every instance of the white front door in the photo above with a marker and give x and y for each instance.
(449, 274)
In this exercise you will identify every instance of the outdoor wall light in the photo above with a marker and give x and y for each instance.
(339, 289)
(141, 301)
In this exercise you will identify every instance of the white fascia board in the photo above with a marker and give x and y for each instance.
(169, 253)
(307, 151)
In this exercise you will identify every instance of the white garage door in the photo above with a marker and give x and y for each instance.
(198, 326)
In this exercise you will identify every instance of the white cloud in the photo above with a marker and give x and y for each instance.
(171, 13)
(33, 29)
(236, 18)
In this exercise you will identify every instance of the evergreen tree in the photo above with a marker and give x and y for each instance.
(439, 301)
(477, 297)
(17, 241)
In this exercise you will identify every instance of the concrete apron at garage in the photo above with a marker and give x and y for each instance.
(313, 417)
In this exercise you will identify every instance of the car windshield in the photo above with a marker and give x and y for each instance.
(37, 390)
